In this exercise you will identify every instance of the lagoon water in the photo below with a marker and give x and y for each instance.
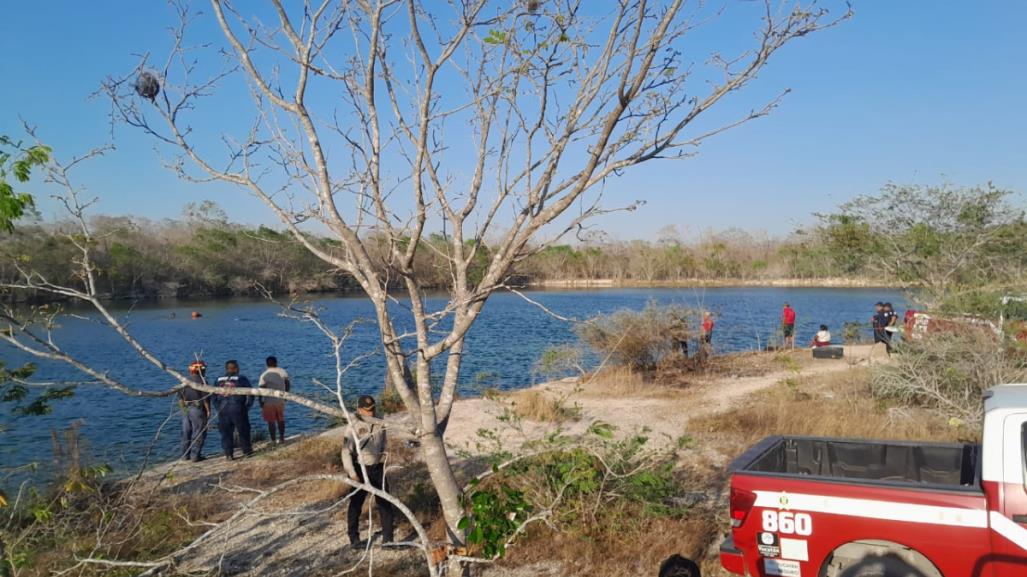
(500, 352)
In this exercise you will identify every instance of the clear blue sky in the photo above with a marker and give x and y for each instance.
(913, 91)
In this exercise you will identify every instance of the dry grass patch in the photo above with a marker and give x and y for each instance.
(634, 546)
(838, 405)
(623, 382)
(542, 405)
(141, 529)
(755, 363)
(669, 380)
(312, 455)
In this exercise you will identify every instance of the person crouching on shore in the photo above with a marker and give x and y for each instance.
(822, 338)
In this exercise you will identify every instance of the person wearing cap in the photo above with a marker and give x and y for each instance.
(368, 449)
(195, 413)
(234, 412)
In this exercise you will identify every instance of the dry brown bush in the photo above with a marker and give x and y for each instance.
(948, 373)
(543, 406)
(639, 340)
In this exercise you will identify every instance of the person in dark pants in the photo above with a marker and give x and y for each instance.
(882, 319)
(788, 326)
(369, 449)
(707, 327)
(234, 412)
(195, 413)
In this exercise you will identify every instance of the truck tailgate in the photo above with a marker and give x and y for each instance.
(790, 525)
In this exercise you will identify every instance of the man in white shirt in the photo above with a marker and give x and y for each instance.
(272, 408)
(822, 338)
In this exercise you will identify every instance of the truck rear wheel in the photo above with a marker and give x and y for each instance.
(881, 566)
(877, 559)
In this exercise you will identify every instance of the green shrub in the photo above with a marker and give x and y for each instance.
(854, 332)
(577, 485)
(559, 361)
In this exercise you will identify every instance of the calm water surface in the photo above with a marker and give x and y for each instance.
(500, 351)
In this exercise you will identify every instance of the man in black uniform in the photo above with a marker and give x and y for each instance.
(234, 412)
(195, 413)
(882, 320)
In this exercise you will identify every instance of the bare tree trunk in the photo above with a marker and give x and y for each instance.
(433, 451)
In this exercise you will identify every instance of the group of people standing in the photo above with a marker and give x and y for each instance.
(363, 457)
(232, 410)
(787, 325)
(822, 338)
(885, 324)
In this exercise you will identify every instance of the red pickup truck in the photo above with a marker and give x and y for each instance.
(818, 507)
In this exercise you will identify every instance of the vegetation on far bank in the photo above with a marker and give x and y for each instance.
(204, 253)
(957, 248)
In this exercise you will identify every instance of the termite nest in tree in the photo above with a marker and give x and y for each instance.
(147, 85)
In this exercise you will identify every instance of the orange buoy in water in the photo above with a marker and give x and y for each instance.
(196, 314)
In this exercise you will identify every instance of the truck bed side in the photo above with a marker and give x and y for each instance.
(928, 465)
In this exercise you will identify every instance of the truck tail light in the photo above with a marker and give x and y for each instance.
(741, 503)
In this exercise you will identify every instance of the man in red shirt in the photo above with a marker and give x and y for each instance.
(707, 327)
(788, 325)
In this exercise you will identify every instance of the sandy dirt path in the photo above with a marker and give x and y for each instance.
(661, 410)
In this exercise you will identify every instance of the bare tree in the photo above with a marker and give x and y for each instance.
(353, 112)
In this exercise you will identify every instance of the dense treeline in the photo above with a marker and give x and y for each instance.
(729, 255)
(954, 244)
(210, 256)
(202, 254)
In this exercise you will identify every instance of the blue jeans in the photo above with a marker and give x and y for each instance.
(194, 431)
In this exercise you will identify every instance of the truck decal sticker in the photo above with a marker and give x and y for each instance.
(873, 509)
(768, 545)
(782, 568)
(1008, 529)
(794, 549)
(787, 522)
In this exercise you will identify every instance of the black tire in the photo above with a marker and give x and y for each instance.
(889, 565)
